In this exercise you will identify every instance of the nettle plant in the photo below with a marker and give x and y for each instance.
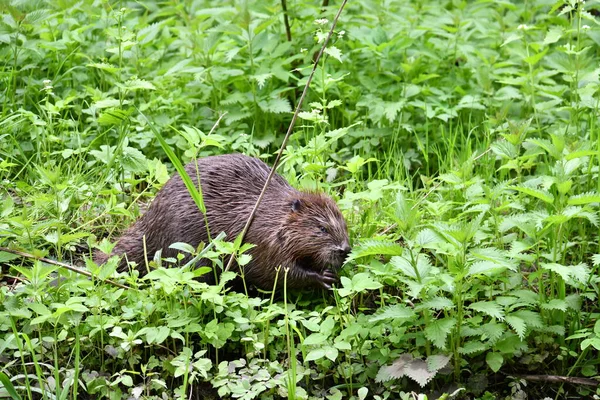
(486, 269)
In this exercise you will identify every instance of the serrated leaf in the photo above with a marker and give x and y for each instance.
(584, 198)
(437, 361)
(472, 347)
(104, 66)
(396, 370)
(487, 268)
(139, 84)
(490, 308)
(418, 272)
(555, 304)
(559, 269)
(276, 106)
(436, 303)
(261, 79)
(418, 372)
(438, 330)
(518, 325)
(334, 52)
(376, 247)
(580, 273)
(531, 318)
(494, 361)
(427, 237)
(492, 331)
(395, 312)
(543, 195)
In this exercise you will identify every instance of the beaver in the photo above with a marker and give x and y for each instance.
(304, 232)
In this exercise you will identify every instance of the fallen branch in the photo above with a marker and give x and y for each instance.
(560, 379)
(60, 264)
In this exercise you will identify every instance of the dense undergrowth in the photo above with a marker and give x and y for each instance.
(460, 139)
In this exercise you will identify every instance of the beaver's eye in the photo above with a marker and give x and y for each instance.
(323, 229)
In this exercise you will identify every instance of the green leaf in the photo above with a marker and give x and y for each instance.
(276, 106)
(472, 347)
(334, 52)
(437, 361)
(438, 330)
(537, 193)
(494, 361)
(490, 308)
(405, 266)
(518, 325)
(562, 270)
(555, 304)
(436, 303)
(134, 160)
(314, 339)
(363, 281)
(584, 198)
(331, 352)
(8, 386)
(138, 84)
(395, 312)
(315, 354)
(376, 247)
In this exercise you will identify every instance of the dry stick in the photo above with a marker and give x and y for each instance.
(60, 264)
(288, 133)
(560, 379)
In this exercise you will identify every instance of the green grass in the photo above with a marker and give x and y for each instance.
(459, 139)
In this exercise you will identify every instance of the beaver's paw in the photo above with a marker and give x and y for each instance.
(327, 278)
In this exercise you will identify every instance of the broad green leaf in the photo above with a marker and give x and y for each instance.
(537, 193)
(490, 308)
(315, 354)
(472, 347)
(562, 270)
(438, 330)
(494, 361)
(314, 339)
(395, 312)
(376, 247)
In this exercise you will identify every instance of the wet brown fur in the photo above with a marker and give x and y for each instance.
(287, 228)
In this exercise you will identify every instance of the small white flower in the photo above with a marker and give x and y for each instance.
(47, 85)
(321, 21)
(586, 27)
(522, 27)
(341, 33)
(123, 9)
(302, 50)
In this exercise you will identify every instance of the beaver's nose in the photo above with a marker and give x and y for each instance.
(345, 249)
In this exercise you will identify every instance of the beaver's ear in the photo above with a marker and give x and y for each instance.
(296, 204)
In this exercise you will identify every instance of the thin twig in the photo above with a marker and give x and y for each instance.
(217, 123)
(560, 379)
(60, 264)
(288, 133)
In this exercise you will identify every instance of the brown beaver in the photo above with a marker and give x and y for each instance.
(304, 232)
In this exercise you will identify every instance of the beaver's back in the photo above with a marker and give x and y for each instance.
(231, 185)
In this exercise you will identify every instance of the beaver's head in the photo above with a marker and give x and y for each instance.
(315, 233)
